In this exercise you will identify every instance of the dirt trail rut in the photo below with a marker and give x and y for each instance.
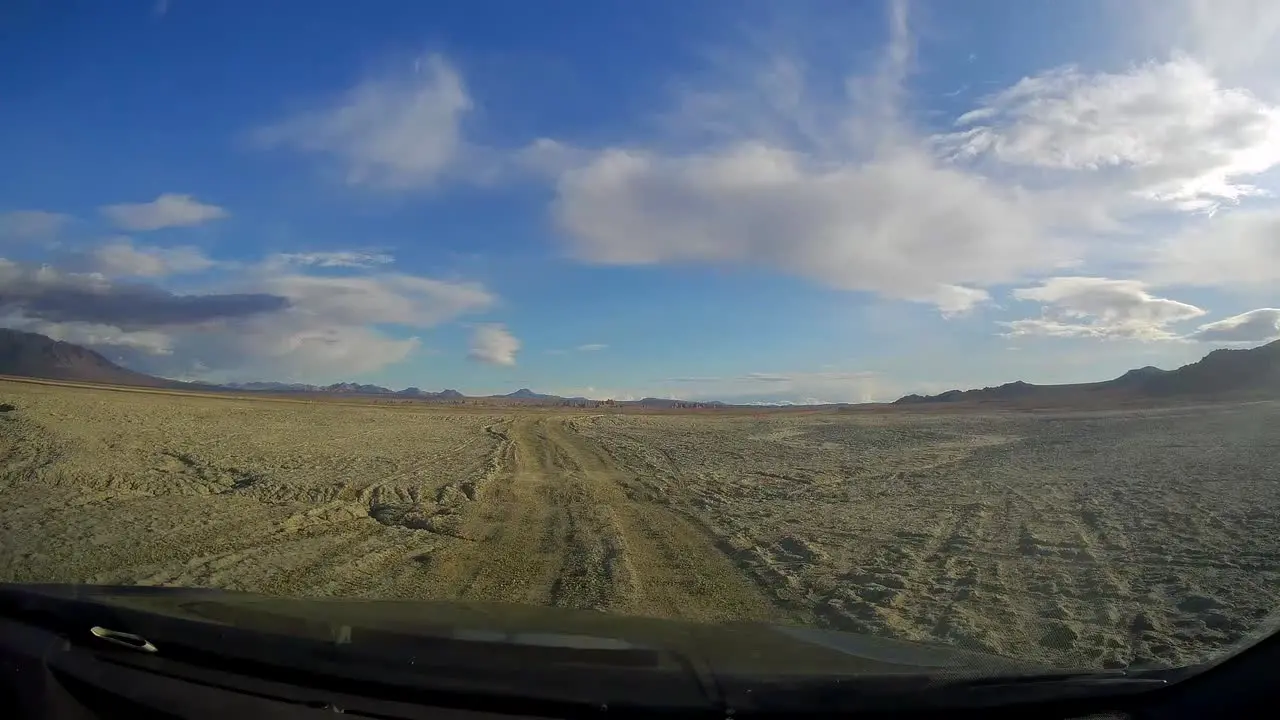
(557, 526)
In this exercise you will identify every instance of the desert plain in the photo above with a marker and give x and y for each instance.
(1084, 539)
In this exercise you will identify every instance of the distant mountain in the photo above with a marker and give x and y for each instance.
(32, 355)
(671, 403)
(427, 394)
(527, 394)
(1008, 391)
(1254, 372)
(1222, 374)
(1139, 376)
(272, 387)
(355, 389)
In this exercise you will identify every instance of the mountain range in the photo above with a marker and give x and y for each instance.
(32, 355)
(344, 387)
(1224, 374)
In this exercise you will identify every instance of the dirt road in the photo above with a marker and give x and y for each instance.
(561, 524)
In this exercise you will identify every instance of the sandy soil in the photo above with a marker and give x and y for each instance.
(1075, 539)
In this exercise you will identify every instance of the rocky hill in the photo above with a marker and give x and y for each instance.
(32, 355)
(1220, 375)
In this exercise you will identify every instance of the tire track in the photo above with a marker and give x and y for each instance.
(557, 526)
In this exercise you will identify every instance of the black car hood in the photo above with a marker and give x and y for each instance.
(554, 634)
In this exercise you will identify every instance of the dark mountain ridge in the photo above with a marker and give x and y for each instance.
(1225, 374)
(33, 355)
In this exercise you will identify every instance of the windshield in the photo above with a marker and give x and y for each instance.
(909, 320)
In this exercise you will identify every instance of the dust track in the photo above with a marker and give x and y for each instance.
(559, 525)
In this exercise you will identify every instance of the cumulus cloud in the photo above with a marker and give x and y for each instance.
(45, 293)
(380, 298)
(839, 190)
(151, 342)
(396, 132)
(31, 224)
(1171, 128)
(1238, 248)
(1239, 39)
(900, 225)
(1066, 168)
(122, 258)
(333, 328)
(333, 259)
(1100, 308)
(167, 210)
(1255, 326)
(292, 326)
(492, 343)
(292, 345)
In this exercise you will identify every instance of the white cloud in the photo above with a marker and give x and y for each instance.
(900, 225)
(31, 224)
(767, 377)
(122, 258)
(1238, 39)
(379, 298)
(396, 132)
(1232, 249)
(167, 210)
(334, 328)
(492, 343)
(96, 335)
(837, 188)
(587, 347)
(1100, 308)
(296, 346)
(48, 293)
(786, 387)
(1261, 325)
(1170, 129)
(333, 259)
(293, 327)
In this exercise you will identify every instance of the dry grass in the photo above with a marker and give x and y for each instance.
(1081, 539)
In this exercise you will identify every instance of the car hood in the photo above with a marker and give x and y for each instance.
(725, 649)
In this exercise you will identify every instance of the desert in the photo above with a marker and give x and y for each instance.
(1072, 538)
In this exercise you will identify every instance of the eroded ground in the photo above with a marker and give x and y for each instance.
(1094, 539)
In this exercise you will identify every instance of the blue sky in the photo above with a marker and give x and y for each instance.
(739, 200)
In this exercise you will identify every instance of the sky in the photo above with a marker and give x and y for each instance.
(746, 201)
